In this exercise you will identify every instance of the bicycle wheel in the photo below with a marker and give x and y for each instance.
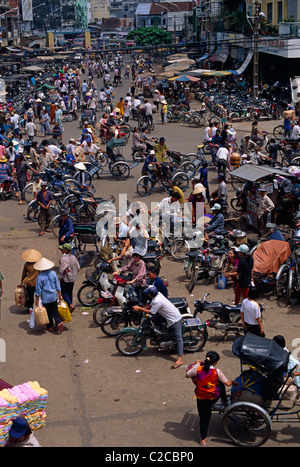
(33, 211)
(144, 186)
(120, 170)
(179, 248)
(290, 286)
(28, 193)
(214, 119)
(236, 183)
(234, 204)
(281, 280)
(189, 168)
(247, 424)
(54, 226)
(181, 180)
(194, 121)
(278, 132)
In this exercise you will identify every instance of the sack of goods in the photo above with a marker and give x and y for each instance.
(41, 316)
(20, 296)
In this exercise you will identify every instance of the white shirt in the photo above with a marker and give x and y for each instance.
(165, 308)
(54, 150)
(166, 207)
(251, 311)
(207, 137)
(223, 154)
(295, 132)
(30, 128)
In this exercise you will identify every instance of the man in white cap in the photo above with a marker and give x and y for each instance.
(47, 287)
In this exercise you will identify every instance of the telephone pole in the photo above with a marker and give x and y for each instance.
(256, 19)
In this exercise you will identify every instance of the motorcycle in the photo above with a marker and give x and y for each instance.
(90, 292)
(226, 318)
(6, 191)
(201, 264)
(117, 318)
(131, 341)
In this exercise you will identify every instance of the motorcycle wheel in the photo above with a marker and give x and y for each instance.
(123, 344)
(196, 340)
(112, 325)
(88, 295)
(194, 278)
(99, 312)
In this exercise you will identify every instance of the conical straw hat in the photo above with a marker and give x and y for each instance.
(31, 256)
(43, 264)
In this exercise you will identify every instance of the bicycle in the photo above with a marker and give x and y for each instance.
(147, 183)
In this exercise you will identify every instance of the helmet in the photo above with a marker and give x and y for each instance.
(151, 290)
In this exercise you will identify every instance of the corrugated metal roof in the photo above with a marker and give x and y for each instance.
(143, 9)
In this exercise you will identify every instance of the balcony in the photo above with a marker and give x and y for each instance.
(289, 29)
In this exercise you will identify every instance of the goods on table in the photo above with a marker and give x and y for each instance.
(25, 400)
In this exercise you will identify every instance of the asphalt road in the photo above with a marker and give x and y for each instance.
(97, 398)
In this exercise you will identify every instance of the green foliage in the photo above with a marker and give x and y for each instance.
(150, 36)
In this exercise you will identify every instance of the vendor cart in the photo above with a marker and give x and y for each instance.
(254, 176)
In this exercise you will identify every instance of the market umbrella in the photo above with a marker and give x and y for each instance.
(185, 78)
(166, 75)
(175, 67)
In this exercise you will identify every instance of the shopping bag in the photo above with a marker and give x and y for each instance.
(41, 316)
(32, 321)
(222, 282)
(20, 296)
(64, 311)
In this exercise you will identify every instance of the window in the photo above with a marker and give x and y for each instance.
(270, 12)
(279, 12)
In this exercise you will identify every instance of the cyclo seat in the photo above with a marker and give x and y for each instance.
(150, 256)
(179, 302)
(193, 254)
(200, 146)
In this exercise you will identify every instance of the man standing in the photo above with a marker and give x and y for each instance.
(162, 306)
(265, 206)
(68, 267)
(21, 169)
(30, 130)
(44, 199)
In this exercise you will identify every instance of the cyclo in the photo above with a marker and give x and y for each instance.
(261, 392)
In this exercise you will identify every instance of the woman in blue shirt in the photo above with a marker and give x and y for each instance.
(47, 287)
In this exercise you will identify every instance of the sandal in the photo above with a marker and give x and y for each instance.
(41, 233)
(176, 365)
(60, 327)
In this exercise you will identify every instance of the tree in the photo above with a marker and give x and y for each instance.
(150, 36)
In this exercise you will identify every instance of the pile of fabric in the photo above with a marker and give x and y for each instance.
(27, 400)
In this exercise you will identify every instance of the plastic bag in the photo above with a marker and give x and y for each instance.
(41, 316)
(222, 282)
(32, 321)
(20, 296)
(64, 311)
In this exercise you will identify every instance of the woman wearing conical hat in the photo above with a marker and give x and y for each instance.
(29, 275)
(47, 288)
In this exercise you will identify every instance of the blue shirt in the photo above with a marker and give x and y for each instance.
(159, 284)
(65, 229)
(216, 223)
(47, 286)
(149, 160)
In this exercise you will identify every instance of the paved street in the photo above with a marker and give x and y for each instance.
(97, 398)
